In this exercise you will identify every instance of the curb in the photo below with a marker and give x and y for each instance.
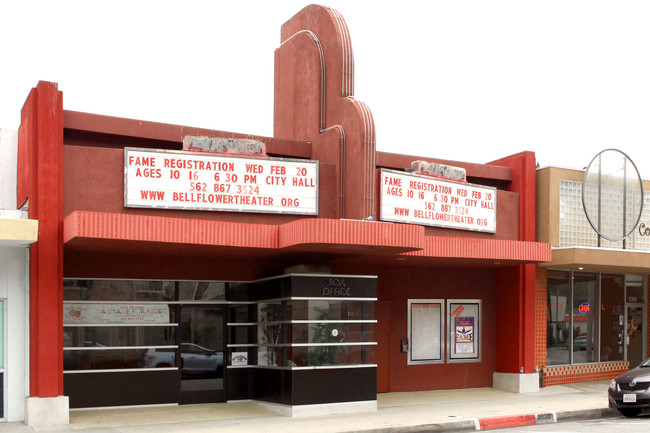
(492, 423)
(586, 414)
(506, 421)
(543, 418)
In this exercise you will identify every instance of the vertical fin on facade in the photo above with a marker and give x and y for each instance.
(314, 92)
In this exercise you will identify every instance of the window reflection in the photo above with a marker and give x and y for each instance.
(201, 290)
(558, 317)
(585, 307)
(103, 359)
(118, 290)
(612, 317)
(588, 317)
(326, 309)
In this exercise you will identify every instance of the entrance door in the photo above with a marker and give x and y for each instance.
(634, 335)
(201, 351)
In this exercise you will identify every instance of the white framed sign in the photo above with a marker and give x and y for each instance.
(131, 314)
(425, 200)
(239, 359)
(425, 331)
(204, 181)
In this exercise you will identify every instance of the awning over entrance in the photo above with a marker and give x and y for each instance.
(18, 232)
(126, 232)
(600, 260)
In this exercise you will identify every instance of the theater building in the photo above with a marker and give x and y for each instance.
(306, 271)
(592, 296)
(16, 234)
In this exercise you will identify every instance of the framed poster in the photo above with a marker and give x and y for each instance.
(464, 321)
(425, 330)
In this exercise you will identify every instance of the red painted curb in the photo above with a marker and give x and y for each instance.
(506, 421)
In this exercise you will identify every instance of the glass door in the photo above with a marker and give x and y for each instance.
(634, 335)
(201, 351)
(634, 319)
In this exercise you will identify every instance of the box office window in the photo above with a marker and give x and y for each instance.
(315, 332)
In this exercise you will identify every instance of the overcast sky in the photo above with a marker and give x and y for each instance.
(462, 80)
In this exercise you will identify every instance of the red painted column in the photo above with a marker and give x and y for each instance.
(40, 183)
(516, 286)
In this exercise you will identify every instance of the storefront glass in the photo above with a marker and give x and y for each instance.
(118, 290)
(558, 317)
(599, 325)
(133, 324)
(611, 317)
(635, 322)
(585, 303)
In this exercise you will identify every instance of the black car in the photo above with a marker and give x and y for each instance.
(629, 392)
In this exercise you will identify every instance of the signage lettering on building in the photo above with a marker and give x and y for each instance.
(205, 181)
(115, 313)
(439, 170)
(336, 287)
(423, 200)
(644, 230)
(224, 145)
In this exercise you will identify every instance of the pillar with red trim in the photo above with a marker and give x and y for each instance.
(40, 188)
(515, 361)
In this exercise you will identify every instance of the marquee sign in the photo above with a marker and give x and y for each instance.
(425, 200)
(204, 181)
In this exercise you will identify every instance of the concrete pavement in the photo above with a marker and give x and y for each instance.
(430, 411)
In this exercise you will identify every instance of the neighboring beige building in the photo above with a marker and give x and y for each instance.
(16, 234)
(592, 296)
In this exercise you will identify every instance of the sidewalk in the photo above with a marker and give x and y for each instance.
(455, 410)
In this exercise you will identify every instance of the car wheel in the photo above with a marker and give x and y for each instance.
(630, 413)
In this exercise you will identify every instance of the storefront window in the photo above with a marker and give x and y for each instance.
(201, 290)
(634, 289)
(133, 324)
(604, 321)
(118, 336)
(118, 290)
(585, 309)
(612, 319)
(558, 324)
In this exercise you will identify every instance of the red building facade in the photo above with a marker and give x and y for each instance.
(396, 290)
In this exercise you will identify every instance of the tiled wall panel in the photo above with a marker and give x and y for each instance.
(583, 372)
